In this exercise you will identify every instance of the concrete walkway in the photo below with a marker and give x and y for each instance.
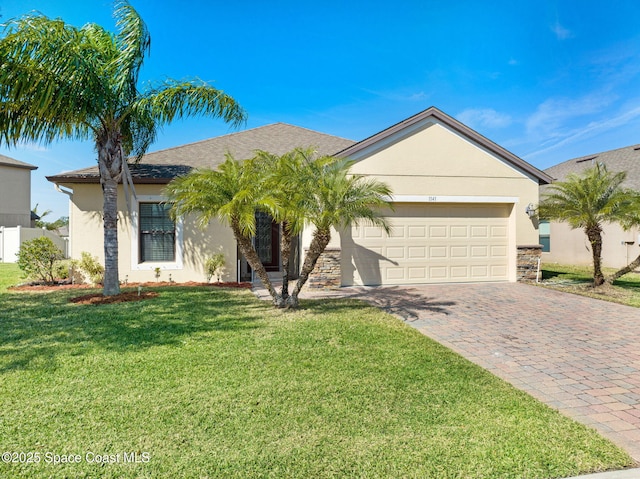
(579, 355)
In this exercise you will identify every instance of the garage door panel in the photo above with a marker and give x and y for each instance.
(393, 274)
(396, 252)
(459, 231)
(459, 272)
(459, 252)
(432, 243)
(479, 232)
(373, 232)
(417, 272)
(499, 231)
(417, 231)
(479, 271)
(397, 232)
(439, 231)
(417, 252)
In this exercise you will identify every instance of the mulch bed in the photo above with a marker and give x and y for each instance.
(124, 297)
(98, 298)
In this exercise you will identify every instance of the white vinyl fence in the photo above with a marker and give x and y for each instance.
(12, 238)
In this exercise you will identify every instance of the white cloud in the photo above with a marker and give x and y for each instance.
(551, 117)
(32, 147)
(484, 117)
(561, 32)
(418, 96)
(591, 129)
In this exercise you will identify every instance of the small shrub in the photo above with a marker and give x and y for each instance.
(37, 258)
(69, 269)
(61, 269)
(214, 266)
(92, 268)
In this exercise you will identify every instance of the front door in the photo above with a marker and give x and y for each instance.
(267, 241)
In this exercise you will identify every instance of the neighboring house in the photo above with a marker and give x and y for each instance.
(459, 209)
(17, 221)
(15, 192)
(566, 246)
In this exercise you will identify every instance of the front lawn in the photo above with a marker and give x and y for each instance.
(10, 275)
(579, 280)
(213, 383)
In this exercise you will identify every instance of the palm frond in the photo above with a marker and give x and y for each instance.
(179, 99)
(52, 79)
(589, 199)
(133, 42)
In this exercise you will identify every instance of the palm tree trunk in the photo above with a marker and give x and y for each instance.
(318, 244)
(285, 252)
(110, 210)
(250, 254)
(110, 160)
(621, 272)
(594, 234)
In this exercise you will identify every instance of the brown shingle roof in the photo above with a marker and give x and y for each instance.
(161, 166)
(623, 159)
(5, 160)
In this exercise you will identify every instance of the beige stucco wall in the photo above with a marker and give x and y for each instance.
(572, 247)
(15, 196)
(436, 164)
(87, 235)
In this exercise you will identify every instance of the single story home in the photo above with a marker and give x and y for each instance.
(461, 209)
(566, 246)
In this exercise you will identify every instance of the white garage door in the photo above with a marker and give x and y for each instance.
(430, 243)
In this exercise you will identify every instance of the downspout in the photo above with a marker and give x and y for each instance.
(538, 271)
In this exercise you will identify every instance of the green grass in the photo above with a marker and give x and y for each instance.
(214, 383)
(10, 275)
(579, 279)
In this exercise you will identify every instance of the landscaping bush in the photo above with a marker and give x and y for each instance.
(214, 266)
(92, 268)
(69, 269)
(38, 257)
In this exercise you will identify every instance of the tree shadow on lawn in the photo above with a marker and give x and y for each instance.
(37, 327)
(405, 302)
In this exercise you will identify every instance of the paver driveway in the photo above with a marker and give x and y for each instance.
(577, 354)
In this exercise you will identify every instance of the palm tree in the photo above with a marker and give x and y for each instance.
(294, 188)
(59, 81)
(334, 198)
(282, 180)
(588, 201)
(232, 193)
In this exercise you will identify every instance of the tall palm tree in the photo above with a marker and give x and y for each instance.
(59, 81)
(588, 201)
(232, 193)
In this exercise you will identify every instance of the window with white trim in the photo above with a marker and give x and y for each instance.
(544, 230)
(157, 233)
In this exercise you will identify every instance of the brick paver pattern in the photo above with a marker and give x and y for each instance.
(579, 355)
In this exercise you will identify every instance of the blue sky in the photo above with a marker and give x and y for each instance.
(548, 80)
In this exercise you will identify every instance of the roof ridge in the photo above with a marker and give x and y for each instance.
(595, 156)
(235, 133)
(207, 139)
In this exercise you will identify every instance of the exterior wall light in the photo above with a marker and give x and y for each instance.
(530, 210)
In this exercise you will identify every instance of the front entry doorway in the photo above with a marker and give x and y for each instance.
(267, 245)
(267, 241)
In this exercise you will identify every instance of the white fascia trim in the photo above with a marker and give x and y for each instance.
(150, 266)
(453, 199)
